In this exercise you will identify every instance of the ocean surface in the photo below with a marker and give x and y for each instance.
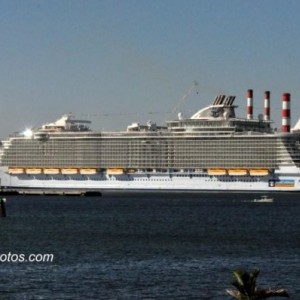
(147, 246)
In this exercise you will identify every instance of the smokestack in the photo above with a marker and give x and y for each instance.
(250, 104)
(286, 116)
(267, 106)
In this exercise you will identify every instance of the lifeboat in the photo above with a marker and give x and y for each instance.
(216, 172)
(51, 171)
(69, 171)
(33, 170)
(115, 171)
(131, 171)
(237, 172)
(15, 170)
(259, 172)
(88, 171)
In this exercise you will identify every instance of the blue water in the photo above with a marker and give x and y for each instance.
(148, 246)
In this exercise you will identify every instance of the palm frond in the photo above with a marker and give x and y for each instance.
(268, 292)
(246, 289)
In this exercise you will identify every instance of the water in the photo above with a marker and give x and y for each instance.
(148, 246)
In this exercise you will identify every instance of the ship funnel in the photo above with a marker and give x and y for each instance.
(286, 116)
(267, 106)
(250, 104)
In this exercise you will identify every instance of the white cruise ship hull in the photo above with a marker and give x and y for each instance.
(288, 181)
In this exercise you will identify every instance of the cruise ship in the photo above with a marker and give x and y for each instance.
(213, 150)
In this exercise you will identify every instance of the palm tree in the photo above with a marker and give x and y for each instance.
(246, 289)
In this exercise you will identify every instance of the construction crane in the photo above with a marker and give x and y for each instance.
(194, 87)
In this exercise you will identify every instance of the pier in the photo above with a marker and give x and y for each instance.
(51, 192)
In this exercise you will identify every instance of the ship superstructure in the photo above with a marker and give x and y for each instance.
(211, 150)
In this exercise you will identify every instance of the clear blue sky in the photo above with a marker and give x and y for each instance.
(133, 57)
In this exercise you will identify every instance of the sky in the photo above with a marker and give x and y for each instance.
(115, 62)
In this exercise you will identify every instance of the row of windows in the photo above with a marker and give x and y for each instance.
(183, 156)
(151, 177)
